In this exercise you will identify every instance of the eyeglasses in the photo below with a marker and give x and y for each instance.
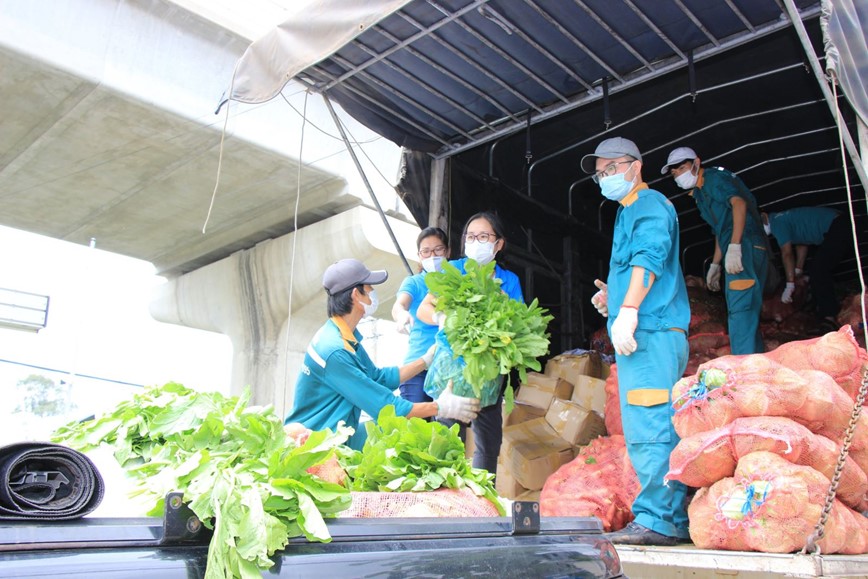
(483, 237)
(440, 250)
(610, 170)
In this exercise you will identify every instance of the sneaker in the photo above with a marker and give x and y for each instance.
(636, 534)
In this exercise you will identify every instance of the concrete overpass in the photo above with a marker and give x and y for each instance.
(108, 133)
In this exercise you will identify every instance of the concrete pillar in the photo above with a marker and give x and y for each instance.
(250, 295)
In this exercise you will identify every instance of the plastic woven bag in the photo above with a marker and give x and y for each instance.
(446, 366)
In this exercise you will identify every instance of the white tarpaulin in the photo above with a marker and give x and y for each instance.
(304, 40)
(844, 32)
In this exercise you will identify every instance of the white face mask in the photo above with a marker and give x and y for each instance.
(686, 180)
(481, 252)
(433, 263)
(768, 228)
(371, 307)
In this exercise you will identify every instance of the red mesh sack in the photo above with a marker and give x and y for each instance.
(707, 457)
(731, 387)
(600, 482)
(851, 315)
(612, 410)
(705, 343)
(836, 353)
(439, 503)
(772, 506)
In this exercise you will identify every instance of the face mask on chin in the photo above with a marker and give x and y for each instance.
(615, 187)
(687, 180)
(371, 308)
(433, 263)
(480, 252)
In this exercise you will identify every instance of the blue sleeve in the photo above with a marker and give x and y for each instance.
(510, 284)
(407, 285)
(370, 393)
(651, 235)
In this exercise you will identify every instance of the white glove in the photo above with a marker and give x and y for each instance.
(787, 296)
(622, 331)
(440, 319)
(733, 258)
(405, 321)
(428, 356)
(456, 407)
(712, 279)
(601, 298)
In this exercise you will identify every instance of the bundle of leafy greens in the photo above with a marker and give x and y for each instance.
(239, 472)
(492, 332)
(411, 454)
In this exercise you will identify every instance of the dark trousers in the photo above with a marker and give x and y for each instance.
(413, 389)
(826, 258)
(487, 435)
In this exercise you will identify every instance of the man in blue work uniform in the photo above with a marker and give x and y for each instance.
(794, 231)
(647, 297)
(729, 207)
(338, 380)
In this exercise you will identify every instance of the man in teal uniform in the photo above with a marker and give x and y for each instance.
(729, 207)
(338, 380)
(795, 230)
(650, 312)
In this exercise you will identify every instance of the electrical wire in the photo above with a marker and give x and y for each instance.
(220, 154)
(292, 258)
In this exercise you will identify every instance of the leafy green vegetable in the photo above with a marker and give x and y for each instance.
(239, 472)
(411, 454)
(491, 331)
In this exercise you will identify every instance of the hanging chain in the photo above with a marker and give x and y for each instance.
(820, 530)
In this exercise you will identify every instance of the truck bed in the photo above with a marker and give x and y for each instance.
(689, 561)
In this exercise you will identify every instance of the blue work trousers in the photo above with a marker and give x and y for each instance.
(645, 380)
(744, 300)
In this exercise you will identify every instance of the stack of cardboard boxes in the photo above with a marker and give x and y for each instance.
(554, 413)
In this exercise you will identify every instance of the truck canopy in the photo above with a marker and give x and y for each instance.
(503, 99)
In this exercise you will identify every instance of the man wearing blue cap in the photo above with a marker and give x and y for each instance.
(338, 380)
(646, 296)
(728, 206)
(797, 229)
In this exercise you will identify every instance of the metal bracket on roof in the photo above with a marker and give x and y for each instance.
(180, 524)
(607, 119)
(525, 518)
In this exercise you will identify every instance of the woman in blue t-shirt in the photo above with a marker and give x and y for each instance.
(483, 238)
(433, 246)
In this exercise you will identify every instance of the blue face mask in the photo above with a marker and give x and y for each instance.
(615, 187)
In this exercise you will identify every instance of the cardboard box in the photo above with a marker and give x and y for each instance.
(539, 390)
(521, 413)
(532, 451)
(570, 366)
(590, 393)
(575, 424)
(528, 496)
(505, 484)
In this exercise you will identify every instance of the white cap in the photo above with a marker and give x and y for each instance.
(678, 156)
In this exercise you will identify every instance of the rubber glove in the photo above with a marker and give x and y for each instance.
(712, 279)
(622, 330)
(733, 258)
(428, 356)
(440, 319)
(405, 322)
(787, 296)
(601, 298)
(456, 407)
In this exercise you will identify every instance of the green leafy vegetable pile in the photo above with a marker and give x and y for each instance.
(491, 331)
(411, 454)
(239, 472)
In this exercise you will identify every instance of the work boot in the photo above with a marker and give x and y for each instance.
(636, 534)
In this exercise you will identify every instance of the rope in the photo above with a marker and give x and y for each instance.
(220, 153)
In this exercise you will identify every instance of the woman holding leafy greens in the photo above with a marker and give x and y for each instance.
(433, 247)
(483, 237)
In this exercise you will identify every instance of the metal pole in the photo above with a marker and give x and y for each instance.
(365, 179)
(793, 13)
